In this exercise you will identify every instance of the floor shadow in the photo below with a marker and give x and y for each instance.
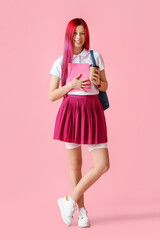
(125, 217)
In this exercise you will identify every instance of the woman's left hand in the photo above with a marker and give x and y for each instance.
(96, 78)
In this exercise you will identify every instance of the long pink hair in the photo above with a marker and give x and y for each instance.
(68, 45)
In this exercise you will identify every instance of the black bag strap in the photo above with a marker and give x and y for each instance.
(93, 58)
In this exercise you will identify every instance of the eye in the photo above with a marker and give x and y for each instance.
(81, 33)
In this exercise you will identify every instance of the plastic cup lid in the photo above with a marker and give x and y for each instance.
(92, 65)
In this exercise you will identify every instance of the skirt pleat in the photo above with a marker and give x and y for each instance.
(81, 119)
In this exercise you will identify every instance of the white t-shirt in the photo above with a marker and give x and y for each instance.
(83, 57)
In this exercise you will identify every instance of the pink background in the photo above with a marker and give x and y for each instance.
(125, 202)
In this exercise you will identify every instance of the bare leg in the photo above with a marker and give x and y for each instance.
(101, 164)
(75, 166)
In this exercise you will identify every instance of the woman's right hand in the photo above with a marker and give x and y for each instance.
(80, 84)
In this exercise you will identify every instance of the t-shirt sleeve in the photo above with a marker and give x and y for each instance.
(99, 60)
(56, 68)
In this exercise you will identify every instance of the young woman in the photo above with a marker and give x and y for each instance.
(80, 119)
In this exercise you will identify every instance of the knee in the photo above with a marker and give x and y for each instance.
(105, 169)
(76, 165)
(101, 170)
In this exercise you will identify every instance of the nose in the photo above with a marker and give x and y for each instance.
(78, 36)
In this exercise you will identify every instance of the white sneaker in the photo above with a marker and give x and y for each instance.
(67, 209)
(83, 220)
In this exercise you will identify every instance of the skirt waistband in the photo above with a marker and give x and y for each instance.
(82, 96)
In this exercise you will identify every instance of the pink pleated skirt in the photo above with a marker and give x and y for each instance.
(81, 119)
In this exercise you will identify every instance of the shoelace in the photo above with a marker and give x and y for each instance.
(83, 213)
(74, 209)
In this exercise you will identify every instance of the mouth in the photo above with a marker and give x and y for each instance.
(78, 42)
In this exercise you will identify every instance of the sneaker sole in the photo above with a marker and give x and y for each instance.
(85, 225)
(60, 204)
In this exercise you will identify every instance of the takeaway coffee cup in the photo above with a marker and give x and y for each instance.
(92, 69)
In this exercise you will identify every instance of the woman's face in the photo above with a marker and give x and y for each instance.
(79, 37)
